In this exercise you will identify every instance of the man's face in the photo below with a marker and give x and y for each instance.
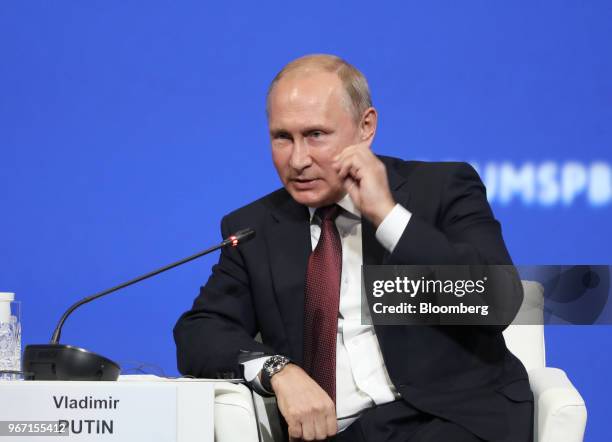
(309, 125)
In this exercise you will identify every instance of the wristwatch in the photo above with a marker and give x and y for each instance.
(273, 365)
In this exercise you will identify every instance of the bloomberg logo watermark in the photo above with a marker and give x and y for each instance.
(496, 295)
(548, 183)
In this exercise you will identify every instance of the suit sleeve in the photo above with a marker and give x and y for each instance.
(465, 233)
(222, 323)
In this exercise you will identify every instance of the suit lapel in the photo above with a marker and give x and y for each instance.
(290, 246)
(373, 251)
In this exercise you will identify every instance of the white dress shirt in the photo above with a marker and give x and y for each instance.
(362, 380)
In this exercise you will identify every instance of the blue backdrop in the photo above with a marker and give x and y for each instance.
(127, 129)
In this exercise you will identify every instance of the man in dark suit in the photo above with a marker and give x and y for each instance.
(298, 282)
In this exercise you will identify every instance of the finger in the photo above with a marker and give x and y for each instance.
(295, 431)
(308, 428)
(357, 172)
(352, 149)
(349, 165)
(294, 428)
(320, 426)
(354, 173)
(360, 152)
(352, 188)
(346, 152)
(365, 157)
(345, 155)
(344, 168)
(331, 423)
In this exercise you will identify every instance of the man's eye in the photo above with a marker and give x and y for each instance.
(316, 134)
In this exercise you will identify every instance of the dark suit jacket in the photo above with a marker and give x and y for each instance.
(461, 373)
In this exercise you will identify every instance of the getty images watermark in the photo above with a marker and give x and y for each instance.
(494, 295)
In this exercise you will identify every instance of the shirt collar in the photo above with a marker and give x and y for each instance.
(346, 203)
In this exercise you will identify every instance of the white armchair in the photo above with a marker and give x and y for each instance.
(560, 412)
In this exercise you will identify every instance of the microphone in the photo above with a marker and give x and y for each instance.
(55, 361)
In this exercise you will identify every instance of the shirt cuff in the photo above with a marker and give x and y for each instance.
(251, 370)
(392, 227)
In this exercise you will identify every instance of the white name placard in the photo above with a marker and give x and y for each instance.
(107, 411)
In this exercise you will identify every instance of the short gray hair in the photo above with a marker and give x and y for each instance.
(354, 82)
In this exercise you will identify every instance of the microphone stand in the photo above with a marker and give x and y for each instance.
(55, 361)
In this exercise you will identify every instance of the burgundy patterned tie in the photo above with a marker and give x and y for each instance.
(321, 303)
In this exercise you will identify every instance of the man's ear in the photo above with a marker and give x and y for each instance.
(367, 125)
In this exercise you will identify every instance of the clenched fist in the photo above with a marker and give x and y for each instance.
(365, 179)
(309, 411)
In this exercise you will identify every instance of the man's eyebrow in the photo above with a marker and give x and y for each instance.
(317, 128)
(277, 132)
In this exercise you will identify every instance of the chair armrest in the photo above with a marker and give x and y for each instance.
(235, 418)
(269, 418)
(560, 412)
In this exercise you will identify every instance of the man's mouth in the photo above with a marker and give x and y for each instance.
(304, 183)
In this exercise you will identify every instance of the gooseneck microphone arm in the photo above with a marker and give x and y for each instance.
(233, 240)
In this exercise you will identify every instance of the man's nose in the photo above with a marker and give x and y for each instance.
(300, 156)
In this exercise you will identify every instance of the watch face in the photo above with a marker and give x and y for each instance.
(275, 364)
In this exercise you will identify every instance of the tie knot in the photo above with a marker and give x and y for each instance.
(328, 213)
